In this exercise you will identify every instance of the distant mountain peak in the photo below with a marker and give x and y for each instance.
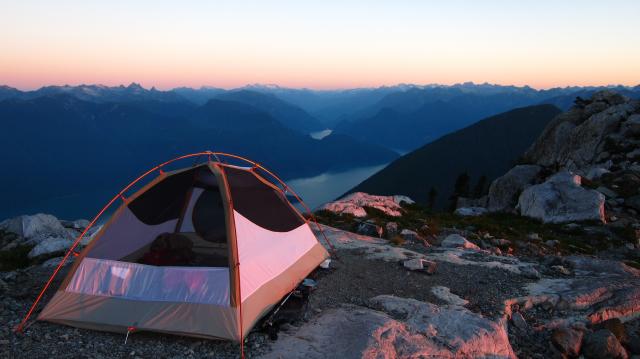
(263, 86)
(135, 86)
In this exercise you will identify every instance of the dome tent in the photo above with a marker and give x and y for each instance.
(204, 251)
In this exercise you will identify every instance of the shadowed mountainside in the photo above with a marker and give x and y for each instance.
(487, 148)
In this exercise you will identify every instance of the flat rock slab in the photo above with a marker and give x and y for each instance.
(376, 248)
(600, 290)
(395, 328)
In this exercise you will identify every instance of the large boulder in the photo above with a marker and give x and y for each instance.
(355, 203)
(35, 228)
(399, 328)
(50, 247)
(560, 199)
(504, 191)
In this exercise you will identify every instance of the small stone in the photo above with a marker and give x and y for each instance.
(500, 242)
(530, 272)
(567, 340)
(410, 235)
(551, 243)
(561, 269)
(392, 229)
(534, 236)
(414, 264)
(518, 320)
(420, 264)
(457, 241)
(431, 266)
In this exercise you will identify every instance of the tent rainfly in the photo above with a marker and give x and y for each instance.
(204, 251)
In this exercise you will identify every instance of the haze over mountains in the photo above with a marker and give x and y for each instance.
(66, 141)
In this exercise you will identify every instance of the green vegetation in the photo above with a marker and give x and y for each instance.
(14, 258)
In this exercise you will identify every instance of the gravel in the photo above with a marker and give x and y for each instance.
(354, 280)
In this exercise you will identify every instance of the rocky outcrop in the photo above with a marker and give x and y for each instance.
(355, 203)
(35, 228)
(561, 199)
(599, 139)
(504, 191)
(599, 291)
(396, 327)
(577, 139)
(44, 234)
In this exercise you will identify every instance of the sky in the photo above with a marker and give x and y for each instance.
(319, 44)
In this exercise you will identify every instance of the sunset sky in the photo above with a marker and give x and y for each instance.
(319, 44)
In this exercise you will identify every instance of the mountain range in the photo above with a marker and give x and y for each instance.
(62, 142)
(408, 119)
(401, 118)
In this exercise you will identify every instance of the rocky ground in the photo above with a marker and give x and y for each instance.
(471, 303)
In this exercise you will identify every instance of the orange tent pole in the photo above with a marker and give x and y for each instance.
(20, 327)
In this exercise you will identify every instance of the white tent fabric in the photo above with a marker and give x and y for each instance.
(265, 254)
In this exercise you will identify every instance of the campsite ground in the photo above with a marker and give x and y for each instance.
(363, 270)
(352, 279)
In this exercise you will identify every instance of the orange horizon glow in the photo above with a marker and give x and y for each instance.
(328, 45)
